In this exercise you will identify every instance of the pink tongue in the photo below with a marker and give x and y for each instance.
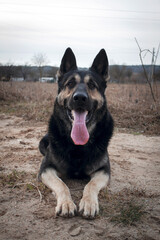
(79, 133)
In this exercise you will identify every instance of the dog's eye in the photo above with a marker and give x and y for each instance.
(71, 83)
(91, 85)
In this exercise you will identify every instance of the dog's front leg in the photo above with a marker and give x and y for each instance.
(65, 205)
(89, 206)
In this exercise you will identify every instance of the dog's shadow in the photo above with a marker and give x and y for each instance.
(76, 187)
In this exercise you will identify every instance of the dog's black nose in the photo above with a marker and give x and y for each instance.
(80, 97)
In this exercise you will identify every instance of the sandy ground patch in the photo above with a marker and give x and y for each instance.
(130, 208)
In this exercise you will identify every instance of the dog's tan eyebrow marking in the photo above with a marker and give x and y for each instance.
(95, 94)
(76, 76)
(87, 78)
(66, 92)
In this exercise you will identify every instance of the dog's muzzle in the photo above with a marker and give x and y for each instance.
(79, 114)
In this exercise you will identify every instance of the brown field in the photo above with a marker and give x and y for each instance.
(130, 104)
(129, 208)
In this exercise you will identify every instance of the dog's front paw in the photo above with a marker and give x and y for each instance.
(89, 206)
(66, 208)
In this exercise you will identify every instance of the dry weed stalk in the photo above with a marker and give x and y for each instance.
(150, 77)
(30, 183)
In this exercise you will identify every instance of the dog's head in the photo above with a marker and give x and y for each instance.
(81, 92)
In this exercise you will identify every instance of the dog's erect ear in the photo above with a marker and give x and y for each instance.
(100, 64)
(68, 62)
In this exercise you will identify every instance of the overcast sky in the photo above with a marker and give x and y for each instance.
(28, 27)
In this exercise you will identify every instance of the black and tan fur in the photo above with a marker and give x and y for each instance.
(78, 90)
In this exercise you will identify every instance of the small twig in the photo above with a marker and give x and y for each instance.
(20, 184)
(146, 51)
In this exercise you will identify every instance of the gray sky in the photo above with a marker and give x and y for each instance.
(28, 27)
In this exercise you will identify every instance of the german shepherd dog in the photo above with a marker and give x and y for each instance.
(78, 135)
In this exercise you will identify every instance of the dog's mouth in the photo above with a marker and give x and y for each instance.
(79, 132)
(71, 113)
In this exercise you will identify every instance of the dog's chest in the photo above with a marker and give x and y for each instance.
(77, 163)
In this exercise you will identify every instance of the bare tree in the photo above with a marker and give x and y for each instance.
(25, 70)
(7, 71)
(149, 77)
(40, 59)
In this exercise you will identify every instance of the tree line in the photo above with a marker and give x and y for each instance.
(118, 73)
(9, 72)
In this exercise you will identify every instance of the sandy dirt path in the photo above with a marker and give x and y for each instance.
(135, 182)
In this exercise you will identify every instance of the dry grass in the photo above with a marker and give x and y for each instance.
(130, 104)
(32, 101)
(133, 108)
